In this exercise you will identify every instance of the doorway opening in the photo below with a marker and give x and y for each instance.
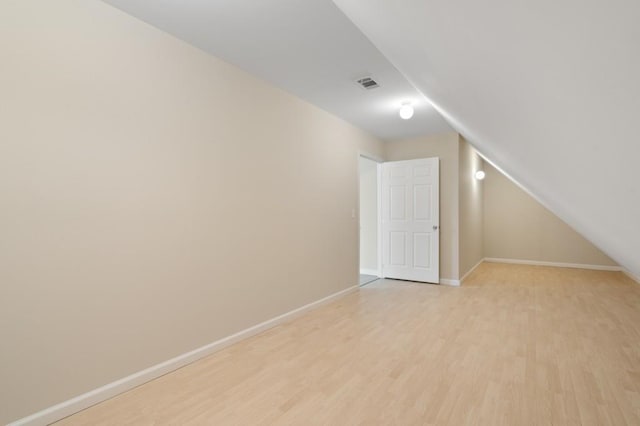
(369, 178)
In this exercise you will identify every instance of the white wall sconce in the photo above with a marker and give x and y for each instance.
(406, 111)
(480, 175)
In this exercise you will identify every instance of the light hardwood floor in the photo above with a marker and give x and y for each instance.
(515, 345)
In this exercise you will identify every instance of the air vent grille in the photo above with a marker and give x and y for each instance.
(367, 83)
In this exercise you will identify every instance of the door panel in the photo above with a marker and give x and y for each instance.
(421, 250)
(410, 220)
(422, 202)
(398, 193)
(397, 248)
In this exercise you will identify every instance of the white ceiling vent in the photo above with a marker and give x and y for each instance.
(367, 83)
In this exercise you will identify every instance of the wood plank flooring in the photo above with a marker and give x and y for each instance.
(515, 345)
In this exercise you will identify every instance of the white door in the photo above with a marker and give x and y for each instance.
(411, 220)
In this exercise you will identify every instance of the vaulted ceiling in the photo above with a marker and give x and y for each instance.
(547, 90)
(308, 48)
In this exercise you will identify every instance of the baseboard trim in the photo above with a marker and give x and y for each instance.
(86, 400)
(631, 275)
(447, 281)
(556, 264)
(464, 277)
(370, 272)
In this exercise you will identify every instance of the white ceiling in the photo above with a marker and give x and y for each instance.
(306, 47)
(548, 90)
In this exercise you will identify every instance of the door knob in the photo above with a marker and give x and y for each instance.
(435, 227)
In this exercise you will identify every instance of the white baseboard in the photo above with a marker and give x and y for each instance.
(370, 272)
(631, 275)
(557, 264)
(447, 281)
(71, 406)
(470, 271)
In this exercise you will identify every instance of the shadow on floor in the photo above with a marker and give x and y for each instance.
(366, 279)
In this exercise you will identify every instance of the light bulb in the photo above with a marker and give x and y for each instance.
(406, 111)
(480, 175)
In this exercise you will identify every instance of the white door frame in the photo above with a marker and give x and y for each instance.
(379, 162)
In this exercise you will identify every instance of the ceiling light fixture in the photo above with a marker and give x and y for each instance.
(406, 111)
(480, 175)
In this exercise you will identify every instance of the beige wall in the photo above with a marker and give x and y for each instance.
(516, 226)
(444, 146)
(368, 215)
(154, 199)
(471, 208)
(493, 218)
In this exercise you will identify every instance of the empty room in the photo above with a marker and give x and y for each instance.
(319, 212)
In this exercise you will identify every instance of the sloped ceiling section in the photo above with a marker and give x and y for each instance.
(308, 48)
(549, 91)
